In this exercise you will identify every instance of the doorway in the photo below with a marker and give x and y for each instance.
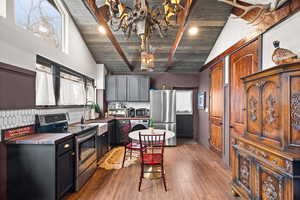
(186, 114)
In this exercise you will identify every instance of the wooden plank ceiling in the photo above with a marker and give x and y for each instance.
(208, 15)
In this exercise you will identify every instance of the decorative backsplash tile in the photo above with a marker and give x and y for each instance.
(18, 118)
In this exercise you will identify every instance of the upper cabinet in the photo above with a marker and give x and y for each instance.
(127, 88)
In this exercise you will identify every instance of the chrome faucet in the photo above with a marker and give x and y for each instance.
(84, 111)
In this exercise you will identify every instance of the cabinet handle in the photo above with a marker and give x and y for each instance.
(73, 153)
(231, 126)
(66, 146)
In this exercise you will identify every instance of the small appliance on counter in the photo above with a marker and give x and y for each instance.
(142, 112)
(117, 112)
(131, 112)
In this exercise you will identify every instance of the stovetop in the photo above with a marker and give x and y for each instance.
(64, 128)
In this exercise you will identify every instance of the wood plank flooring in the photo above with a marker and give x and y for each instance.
(192, 171)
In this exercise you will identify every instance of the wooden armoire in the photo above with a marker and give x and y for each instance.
(266, 160)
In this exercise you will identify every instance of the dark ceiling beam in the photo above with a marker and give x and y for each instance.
(189, 4)
(100, 18)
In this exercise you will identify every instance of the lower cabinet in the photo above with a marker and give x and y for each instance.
(103, 145)
(265, 174)
(40, 171)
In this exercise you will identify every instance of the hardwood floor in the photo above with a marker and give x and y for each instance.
(192, 172)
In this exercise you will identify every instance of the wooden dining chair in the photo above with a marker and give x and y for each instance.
(129, 145)
(152, 155)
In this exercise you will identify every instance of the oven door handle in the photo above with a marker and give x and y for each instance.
(80, 139)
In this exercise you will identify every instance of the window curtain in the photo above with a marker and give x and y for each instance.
(72, 92)
(90, 94)
(44, 89)
(184, 101)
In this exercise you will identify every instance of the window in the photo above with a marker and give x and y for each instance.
(90, 92)
(2, 8)
(184, 101)
(42, 17)
(72, 90)
(44, 86)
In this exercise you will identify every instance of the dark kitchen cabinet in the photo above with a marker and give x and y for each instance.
(102, 145)
(40, 171)
(127, 88)
(138, 88)
(184, 126)
(123, 127)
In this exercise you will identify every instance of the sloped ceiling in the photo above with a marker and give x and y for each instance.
(208, 15)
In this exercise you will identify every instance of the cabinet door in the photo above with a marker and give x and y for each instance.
(65, 173)
(121, 88)
(270, 184)
(133, 88)
(243, 174)
(242, 63)
(111, 88)
(216, 107)
(144, 84)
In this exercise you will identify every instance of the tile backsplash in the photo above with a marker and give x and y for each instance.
(17, 118)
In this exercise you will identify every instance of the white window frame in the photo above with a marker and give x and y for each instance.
(65, 26)
(3, 8)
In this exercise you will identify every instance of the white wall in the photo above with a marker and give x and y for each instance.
(287, 33)
(19, 47)
(234, 30)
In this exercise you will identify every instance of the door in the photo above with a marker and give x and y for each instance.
(216, 107)
(184, 113)
(242, 63)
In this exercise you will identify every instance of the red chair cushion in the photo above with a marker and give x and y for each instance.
(133, 145)
(152, 159)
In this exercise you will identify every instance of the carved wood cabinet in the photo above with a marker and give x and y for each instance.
(266, 162)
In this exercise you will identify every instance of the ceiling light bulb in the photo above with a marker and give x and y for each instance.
(101, 29)
(193, 31)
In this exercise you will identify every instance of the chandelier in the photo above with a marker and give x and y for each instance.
(143, 21)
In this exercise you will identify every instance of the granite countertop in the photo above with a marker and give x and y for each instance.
(50, 138)
(108, 119)
(41, 138)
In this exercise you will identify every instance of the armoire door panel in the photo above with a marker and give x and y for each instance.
(294, 135)
(254, 110)
(271, 109)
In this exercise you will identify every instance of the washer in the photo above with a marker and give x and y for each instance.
(136, 124)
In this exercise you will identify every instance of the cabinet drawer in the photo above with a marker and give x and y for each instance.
(65, 146)
(270, 184)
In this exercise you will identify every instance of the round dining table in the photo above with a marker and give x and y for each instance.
(134, 135)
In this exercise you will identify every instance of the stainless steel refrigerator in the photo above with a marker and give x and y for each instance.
(163, 111)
